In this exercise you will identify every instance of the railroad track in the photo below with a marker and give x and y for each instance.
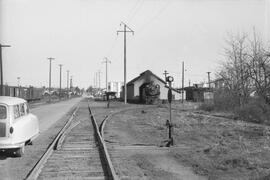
(78, 151)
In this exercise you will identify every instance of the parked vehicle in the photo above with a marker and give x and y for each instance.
(18, 127)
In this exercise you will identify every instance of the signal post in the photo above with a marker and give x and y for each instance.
(169, 123)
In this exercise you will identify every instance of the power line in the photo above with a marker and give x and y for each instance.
(134, 9)
(163, 8)
(140, 4)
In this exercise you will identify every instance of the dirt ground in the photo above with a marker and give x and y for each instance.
(207, 146)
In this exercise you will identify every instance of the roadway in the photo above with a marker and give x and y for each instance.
(49, 114)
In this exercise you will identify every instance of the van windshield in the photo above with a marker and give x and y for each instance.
(3, 112)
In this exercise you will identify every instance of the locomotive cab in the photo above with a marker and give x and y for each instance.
(18, 126)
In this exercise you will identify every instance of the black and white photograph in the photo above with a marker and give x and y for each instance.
(135, 89)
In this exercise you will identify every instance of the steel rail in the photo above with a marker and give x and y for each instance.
(103, 147)
(33, 174)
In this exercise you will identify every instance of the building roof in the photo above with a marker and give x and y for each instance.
(150, 73)
(10, 101)
(142, 74)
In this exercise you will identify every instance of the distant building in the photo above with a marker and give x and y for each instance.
(200, 92)
(136, 87)
(115, 87)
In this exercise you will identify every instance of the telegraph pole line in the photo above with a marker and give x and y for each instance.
(208, 73)
(1, 68)
(106, 61)
(60, 65)
(183, 74)
(50, 74)
(125, 57)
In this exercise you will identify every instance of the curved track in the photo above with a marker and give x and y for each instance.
(78, 152)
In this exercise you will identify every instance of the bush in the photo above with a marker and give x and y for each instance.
(256, 110)
(207, 106)
(225, 100)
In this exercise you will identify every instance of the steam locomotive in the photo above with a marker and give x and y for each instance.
(152, 92)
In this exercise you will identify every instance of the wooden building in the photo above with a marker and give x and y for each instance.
(136, 87)
(198, 94)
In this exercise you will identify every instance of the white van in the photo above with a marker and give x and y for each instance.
(18, 127)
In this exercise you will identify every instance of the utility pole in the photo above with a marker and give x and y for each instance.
(125, 57)
(71, 83)
(1, 68)
(165, 73)
(94, 80)
(99, 79)
(18, 79)
(60, 93)
(208, 79)
(50, 73)
(106, 61)
(183, 74)
(67, 82)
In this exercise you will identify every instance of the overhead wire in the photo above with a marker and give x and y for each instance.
(162, 9)
(132, 14)
(140, 4)
(112, 46)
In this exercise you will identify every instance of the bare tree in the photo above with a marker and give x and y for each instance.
(246, 69)
(259, 68)
(234, 70)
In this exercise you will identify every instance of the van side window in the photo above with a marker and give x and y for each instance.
(16, 111)
(22, 110)
(3, 112)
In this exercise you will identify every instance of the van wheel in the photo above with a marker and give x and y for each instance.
(20, 151)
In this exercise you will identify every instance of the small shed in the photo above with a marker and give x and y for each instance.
(198, 94)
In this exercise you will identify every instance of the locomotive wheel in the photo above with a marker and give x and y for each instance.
(20, 151)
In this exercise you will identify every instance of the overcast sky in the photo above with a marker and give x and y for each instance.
(80, 33)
